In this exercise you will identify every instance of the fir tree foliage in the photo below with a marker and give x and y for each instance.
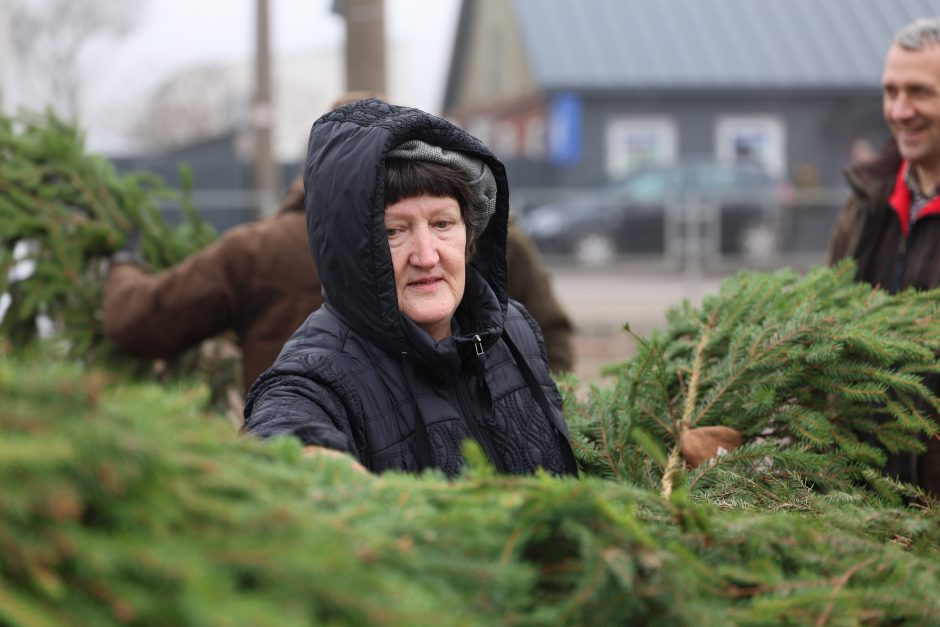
(123, 504)
(63, 212)
(820, 374)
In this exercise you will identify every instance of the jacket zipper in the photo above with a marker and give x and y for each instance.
(478, 345)
(901, 265)
(472, 413)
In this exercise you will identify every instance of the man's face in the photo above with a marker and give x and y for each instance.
(428, 241)
(911, 99)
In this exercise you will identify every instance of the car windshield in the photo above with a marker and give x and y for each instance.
(655, 184)
(648, 185)
(727, 177)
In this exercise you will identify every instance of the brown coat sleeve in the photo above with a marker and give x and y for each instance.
(530, 284)
(160, 316)
(846, 232)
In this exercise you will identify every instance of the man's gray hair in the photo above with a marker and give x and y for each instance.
(919, 33)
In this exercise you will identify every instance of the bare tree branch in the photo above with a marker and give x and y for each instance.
(48, 36)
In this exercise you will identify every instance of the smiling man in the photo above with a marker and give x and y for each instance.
(891, 223)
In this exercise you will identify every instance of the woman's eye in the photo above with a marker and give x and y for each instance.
(392, 231)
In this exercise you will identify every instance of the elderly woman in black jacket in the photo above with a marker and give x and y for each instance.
(417, 347)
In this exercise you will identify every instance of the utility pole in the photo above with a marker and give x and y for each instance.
(266, 175)
(365, 44)
(5, 48)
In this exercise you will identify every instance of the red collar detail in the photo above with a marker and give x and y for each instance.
(900, 201)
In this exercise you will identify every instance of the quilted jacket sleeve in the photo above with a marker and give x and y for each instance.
(289, 400)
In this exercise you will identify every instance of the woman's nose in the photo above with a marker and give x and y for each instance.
(424, 249)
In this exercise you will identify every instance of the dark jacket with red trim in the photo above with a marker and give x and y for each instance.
(893, 254)
(360, 376)
(873, 228)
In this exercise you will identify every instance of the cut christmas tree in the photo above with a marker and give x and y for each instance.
(63, 212)
(732, 469)
(125, 504)
(819, 376)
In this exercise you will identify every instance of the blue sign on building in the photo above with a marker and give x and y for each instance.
(564, 128)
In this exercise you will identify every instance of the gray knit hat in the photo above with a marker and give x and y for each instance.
(478, 175)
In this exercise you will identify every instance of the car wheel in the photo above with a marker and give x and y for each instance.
(594, 249)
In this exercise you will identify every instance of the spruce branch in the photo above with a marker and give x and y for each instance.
(63, 212)
(686, 422)
(827, 371)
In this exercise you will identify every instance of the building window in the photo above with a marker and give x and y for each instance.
(634, 142)
(760, 138)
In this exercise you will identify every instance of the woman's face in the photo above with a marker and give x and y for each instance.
(428, 240)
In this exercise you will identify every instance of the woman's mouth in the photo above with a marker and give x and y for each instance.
(426, 282)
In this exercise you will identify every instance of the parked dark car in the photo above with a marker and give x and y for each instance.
(736, 200)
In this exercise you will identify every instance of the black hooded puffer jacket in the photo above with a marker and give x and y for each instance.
(358, 375)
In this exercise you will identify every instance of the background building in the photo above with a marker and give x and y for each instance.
(572, 92)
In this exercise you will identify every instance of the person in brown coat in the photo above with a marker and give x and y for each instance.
(260, 280)
(890, 225)
(530, 284)
(257, 279)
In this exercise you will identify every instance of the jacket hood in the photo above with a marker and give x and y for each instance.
(344, 176)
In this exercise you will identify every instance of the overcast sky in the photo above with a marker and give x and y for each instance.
(172, 34)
